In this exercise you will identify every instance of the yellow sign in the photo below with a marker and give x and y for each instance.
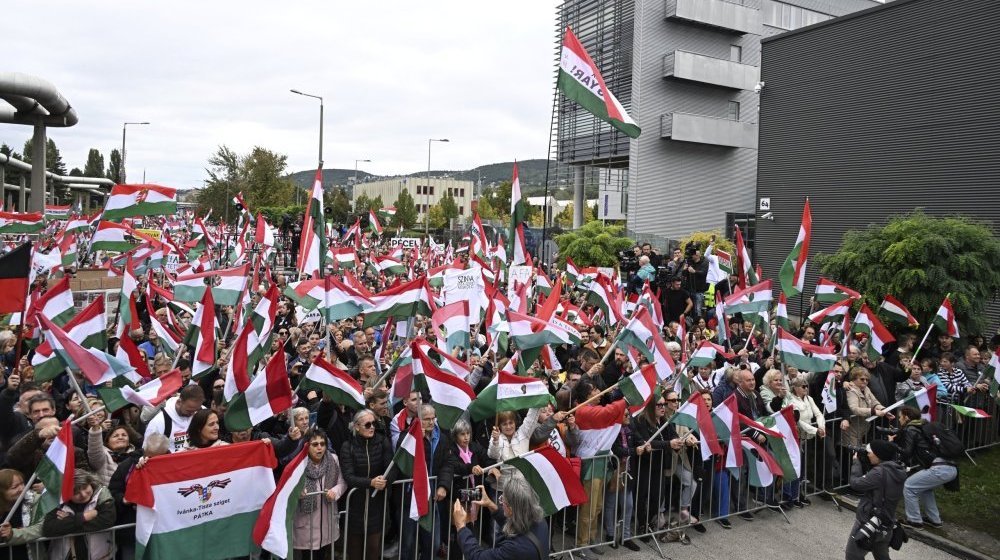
(154, 233)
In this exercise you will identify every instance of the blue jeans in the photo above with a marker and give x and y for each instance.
(919, 491)
(720, 494)
(622, 499)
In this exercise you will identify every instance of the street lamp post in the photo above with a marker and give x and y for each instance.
(125, 127)
(427, 187)
(356, 168)
(320, 166)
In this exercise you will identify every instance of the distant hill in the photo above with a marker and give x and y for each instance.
(531, 173)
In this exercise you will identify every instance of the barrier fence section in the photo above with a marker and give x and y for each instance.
(654, 498)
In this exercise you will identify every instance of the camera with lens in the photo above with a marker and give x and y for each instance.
(628, 262)
(663, 276)
(469, 495)
(886, 430)
(862, 456)
(869, 532)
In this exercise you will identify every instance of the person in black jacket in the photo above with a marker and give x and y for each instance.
(880, 489)
(652, 458)
(935, 471)
(437, 448)
(524, 534)
(364, 459)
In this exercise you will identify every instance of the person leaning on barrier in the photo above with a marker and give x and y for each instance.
(524, 535)
(935, 471)
(879, 477)
(91, 510)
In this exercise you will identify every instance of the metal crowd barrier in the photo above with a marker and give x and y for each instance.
(651, 499)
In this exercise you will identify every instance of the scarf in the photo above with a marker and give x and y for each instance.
(465, 454)
(314, 477)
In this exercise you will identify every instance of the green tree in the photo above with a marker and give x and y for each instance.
(362, 203)
(594, 244)
(95, 164)
(486, 210)
(223, 183)
(448, 207)
(262, 174)
(703, 238)
(499, 198)
(436, 217)
(76, 172)
(377, 204)
(114, 166)
(918, 259)
(339, 204)
(406, 210)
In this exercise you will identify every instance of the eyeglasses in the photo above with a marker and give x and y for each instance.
(282, 333)
(367, 425)
(223, 386)
(672, 400)
(661, 405)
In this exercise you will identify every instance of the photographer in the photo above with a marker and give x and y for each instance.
(524, 535)
(917, 451)
(881, 488)
(695, 272)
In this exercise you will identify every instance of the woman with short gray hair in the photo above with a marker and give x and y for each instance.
(524, 534)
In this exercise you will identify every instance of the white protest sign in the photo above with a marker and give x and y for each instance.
(466, 285)
(173, 261)
(406, 242)
(520, 273)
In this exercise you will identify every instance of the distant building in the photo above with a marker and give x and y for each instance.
(424, 193)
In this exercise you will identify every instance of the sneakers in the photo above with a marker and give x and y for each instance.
(930, 523)
(911, 524)
(798, 503)
(805, 501)
(391, 550)
(724, 523)
(699, 527)
(746, 516)
(631, 545)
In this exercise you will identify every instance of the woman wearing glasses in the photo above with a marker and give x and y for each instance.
(364, 457)
(650, 462)
(316, 521)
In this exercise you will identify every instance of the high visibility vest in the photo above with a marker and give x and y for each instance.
(710, 296)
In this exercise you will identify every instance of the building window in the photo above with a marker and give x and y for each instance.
(432, 190)
(462, 190)
(461, 210)
(735, 53)
(734, 110)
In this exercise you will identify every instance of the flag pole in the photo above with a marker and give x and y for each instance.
(928, 333)
(602, 393)
(501, 463)
(79, 391)
(17, 503)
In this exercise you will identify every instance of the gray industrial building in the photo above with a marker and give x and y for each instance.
(876, 114)
(687, 71)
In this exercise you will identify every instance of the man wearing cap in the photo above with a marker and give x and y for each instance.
(881, 488)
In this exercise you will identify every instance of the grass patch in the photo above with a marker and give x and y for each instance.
(975, 506)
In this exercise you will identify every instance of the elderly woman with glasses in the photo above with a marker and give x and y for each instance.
(365, 458)
(862, 404)
(316, 524)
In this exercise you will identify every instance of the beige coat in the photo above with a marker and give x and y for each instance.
(321, 526)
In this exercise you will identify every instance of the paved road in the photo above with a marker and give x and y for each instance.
(818, 532)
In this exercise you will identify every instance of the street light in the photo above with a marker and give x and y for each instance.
(124, 127)
(356, 168)
(427, 187)
(297, 92)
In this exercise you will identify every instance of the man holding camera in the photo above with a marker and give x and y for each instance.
(879, 478)
(696, 278)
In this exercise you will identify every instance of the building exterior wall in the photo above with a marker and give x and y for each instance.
(389, 190)
(868, 136)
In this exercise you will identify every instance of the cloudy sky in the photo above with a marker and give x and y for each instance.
(392, 74)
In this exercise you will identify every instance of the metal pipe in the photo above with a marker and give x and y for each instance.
(35, 102)
(124, 126)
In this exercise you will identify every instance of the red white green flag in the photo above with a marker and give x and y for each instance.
(945, 319)
(638, 331)
(59, 463)
(405, 300)
(110, 236)
(269, 394)
(993, 373)
(638, 388)
(552, 478)
(21, 222)
(786, 448)
(828, 291)
(744, 264)
(129, 201)
(581, 80)
(149, 394)
(878, 336)
(334, 383)
(750, 300)
(374, 225)
(450, 394)
(695, 415)
(833, 314)
(793, 271)
(274, 528)
(313, 245)
(412, 462)
(897, 312)
(970, 412)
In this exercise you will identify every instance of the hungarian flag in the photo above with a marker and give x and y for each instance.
(752, 299)
(453, 324)
(251, 344)
(374, 225)
(695, 415)
(637, 332)
(662, 360)
(274, 528)
(833, 314)
(744, 265)
(786, 448)
(56, 212)
(389, 265)
(781, 313)
(806, 357)
(581, 80)
(924, 400)
(638, 388)
(268, 394)
(201, 336)
(405, 300)
(530, 332)
(151, 393)
(520, 393)
(86, 328)
(202, 503)
(601, 293)
(945, 320)
(761, 466)
(993, 373)
(897, 312)
(832, 292)
(519, 247)
(345, 257)
(72, 354)
(970, 412)
(263, 233)
(727, 426)
(599, 428)
(128, 201)
(705, 354)
(878, 336)
(312, 249)
(793, 271)
(552, 478)
(450, 394)
(15, 268)
(58, 464)
(412, 462)
(21, 222)
(334, 383)
(572, 272)
(228, 290)
(829, 393)
(78, 223)
(128, 352)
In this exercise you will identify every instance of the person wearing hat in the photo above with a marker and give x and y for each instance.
(881, 489)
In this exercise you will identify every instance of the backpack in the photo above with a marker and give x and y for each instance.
(943, 441)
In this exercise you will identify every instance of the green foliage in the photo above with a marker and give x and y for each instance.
(486, 210)
(338, 202)
(259, 175)
(114, 171)
(76, 172)
(499, 199)
(377, 204)
(95, 164)
(276, 214)
(594, 244)
(448, 207)
(918, 259)
(406, 210)
(703, 238)
(975, 506)
(362, 203)
(436, 217)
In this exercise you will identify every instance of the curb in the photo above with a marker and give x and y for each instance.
(930, 539)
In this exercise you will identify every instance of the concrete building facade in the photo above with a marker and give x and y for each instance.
(425, 193)
(688, 72)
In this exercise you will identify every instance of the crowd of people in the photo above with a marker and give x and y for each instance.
(651, 483)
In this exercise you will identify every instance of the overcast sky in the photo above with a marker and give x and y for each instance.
(392, 75)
